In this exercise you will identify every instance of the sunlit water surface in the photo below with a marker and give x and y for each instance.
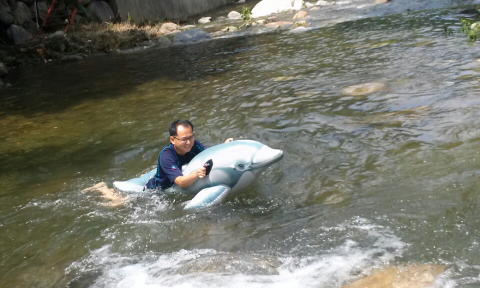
(366, 181)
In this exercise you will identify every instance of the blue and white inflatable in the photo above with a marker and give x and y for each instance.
(236, 165)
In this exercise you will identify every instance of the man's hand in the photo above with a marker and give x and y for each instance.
(228, 140)
(201, 172)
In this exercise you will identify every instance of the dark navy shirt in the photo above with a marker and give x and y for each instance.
(170, 164)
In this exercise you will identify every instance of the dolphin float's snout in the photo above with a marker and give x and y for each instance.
(266, 156)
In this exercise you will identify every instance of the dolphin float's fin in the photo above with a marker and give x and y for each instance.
(208, 197)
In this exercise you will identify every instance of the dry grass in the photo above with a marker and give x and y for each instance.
(109, 37)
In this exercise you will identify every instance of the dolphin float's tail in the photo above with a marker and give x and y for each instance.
(134, 184)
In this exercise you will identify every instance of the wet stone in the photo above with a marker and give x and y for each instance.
(192, 35)
(230, 29)
(163, 41)
(231, 264)
(364, 89)
(414, 276)
(300, 15)
(279, 24)
(73, 58)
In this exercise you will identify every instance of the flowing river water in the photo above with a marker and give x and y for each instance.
(366, 181)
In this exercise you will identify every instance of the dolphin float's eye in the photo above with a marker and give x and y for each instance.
(241, 167)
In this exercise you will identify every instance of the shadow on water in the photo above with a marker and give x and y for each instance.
(111, 76)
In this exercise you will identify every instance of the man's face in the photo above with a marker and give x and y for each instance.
(183, 142)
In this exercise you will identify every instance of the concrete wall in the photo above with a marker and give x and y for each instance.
(163, 9)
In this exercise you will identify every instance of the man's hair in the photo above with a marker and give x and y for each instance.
(172, 129)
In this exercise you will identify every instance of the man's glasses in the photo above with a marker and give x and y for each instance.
(184, 139)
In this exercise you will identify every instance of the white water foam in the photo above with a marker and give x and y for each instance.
(210, 268)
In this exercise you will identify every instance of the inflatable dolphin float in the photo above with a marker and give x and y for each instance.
(232, 167)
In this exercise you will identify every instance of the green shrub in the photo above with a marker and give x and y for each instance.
(246, 13)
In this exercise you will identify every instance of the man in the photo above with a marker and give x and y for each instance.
(182, 149)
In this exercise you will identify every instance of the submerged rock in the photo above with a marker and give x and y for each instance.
(232, 264)
(192, 35)
(300, 14)
(364, 89)
(73, 58)
(267, 7)
(163, 41)
(229, 29)
(279, 24)
(415, 276)
(301, 24)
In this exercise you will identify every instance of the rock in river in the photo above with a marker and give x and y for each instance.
(364, 89)
(300, 14)
(279, 24)
(226, 263)
(414, 276)
(191, 35)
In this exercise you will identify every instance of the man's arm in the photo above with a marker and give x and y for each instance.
(185, 181)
